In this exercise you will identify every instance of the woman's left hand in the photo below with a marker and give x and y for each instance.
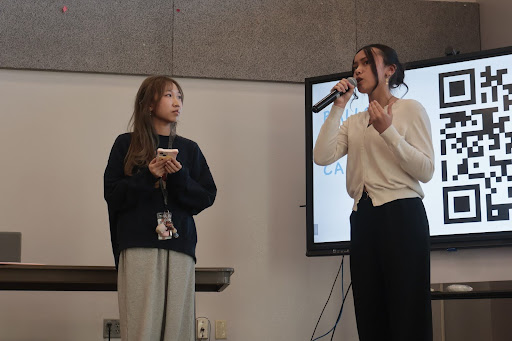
(380, 119)
(172, 166)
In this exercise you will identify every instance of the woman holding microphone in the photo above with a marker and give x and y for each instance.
(389, 151)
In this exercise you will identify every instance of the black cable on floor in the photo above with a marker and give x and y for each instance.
(319, 318)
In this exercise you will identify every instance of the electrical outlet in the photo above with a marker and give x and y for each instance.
(202, 328)
(115, 329)
(220, 329)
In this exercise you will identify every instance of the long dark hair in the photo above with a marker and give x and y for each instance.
(389, 57)
(144, 140)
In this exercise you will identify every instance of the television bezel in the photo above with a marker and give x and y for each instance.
(445, 242)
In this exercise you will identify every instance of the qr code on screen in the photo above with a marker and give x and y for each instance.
(476, 144)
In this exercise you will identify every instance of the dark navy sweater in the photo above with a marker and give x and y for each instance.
(133, 201)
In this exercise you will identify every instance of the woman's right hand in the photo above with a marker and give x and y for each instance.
(157, 167)
(342, 86)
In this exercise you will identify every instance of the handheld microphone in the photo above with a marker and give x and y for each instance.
(331, 97)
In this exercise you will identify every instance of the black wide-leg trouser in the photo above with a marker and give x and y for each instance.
(390, 270)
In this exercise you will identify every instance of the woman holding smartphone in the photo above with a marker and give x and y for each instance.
(389, 151)
(145, 193)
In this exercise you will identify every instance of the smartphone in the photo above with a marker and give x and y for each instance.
(166, 153)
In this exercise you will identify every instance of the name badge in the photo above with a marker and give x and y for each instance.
(165, 228)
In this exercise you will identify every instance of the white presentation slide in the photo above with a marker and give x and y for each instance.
(469, 105)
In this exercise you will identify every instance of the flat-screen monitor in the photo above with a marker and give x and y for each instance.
(468, 99)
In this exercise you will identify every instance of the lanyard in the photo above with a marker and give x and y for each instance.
(163, 184)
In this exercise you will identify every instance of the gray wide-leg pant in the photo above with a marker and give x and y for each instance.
(156, 295)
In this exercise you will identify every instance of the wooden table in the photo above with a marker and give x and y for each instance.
(481, 290)
(90, 278)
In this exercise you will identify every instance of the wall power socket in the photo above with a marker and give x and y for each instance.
(202, 328)
(115, 329)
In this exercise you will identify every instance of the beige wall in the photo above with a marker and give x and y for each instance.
(495, 23)
(56, 130)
